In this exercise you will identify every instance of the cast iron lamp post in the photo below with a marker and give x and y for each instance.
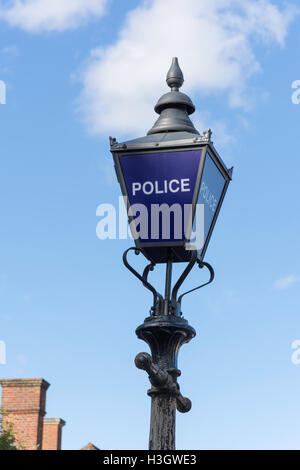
(172, 172)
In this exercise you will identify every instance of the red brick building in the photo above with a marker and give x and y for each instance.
(24, 403)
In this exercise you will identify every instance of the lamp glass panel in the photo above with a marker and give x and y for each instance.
(210, 193)
(156, 179)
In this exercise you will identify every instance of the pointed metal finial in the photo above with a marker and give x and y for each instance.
(174, 107)
(175, 77)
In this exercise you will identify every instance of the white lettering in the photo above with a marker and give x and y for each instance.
(148, 183)
(185, 185)
(2, 353)
(197, 234)
(208, 197)
(2, 92)
(139, 225)
(136, 187)
(171, 186)
(166, 222)
(123, 218)
(107, 227)
(296, 354)
(157, 191)
(165, 210)
(296, 94)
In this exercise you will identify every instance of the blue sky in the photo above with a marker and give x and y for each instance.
(79, 71)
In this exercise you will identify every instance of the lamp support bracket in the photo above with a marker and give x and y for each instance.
(171, 304)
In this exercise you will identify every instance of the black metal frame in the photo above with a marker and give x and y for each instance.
(182, 145)
(165, 331)
(171, 304)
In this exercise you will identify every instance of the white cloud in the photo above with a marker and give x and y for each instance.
(212, 38)
(286, 282)
(50, 15)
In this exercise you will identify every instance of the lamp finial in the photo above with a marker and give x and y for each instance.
(175, 77)
(174, 107)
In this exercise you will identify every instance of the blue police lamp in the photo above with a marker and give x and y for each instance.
(174, 183)
(173, 180)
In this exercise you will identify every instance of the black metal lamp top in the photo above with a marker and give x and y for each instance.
(175, 77)
(174, 107)
(172, 165)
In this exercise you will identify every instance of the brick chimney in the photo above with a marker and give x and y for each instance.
(24, 402)
(52, 433)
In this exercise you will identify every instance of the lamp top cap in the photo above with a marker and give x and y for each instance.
(175, 76)
(174, 107)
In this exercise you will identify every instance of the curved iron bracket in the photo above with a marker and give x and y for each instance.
(201, 264)
(147, 270)
(157, 297)
(158, 300)
(183, 277)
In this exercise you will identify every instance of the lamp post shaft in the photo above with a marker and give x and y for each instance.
(163, 422)
(165, 332)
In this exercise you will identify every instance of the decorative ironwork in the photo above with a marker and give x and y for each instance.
(165, 331)
(205, 137)
(115, 145)
(201, 264)
(157, 297)
(167, 306)
(113, 141)
(163, 381)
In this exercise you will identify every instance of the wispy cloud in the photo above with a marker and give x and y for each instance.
(213, 40)
(10, 50)
(286, 282)
(50, 15)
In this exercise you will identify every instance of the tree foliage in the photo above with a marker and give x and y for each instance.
(7, 437)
